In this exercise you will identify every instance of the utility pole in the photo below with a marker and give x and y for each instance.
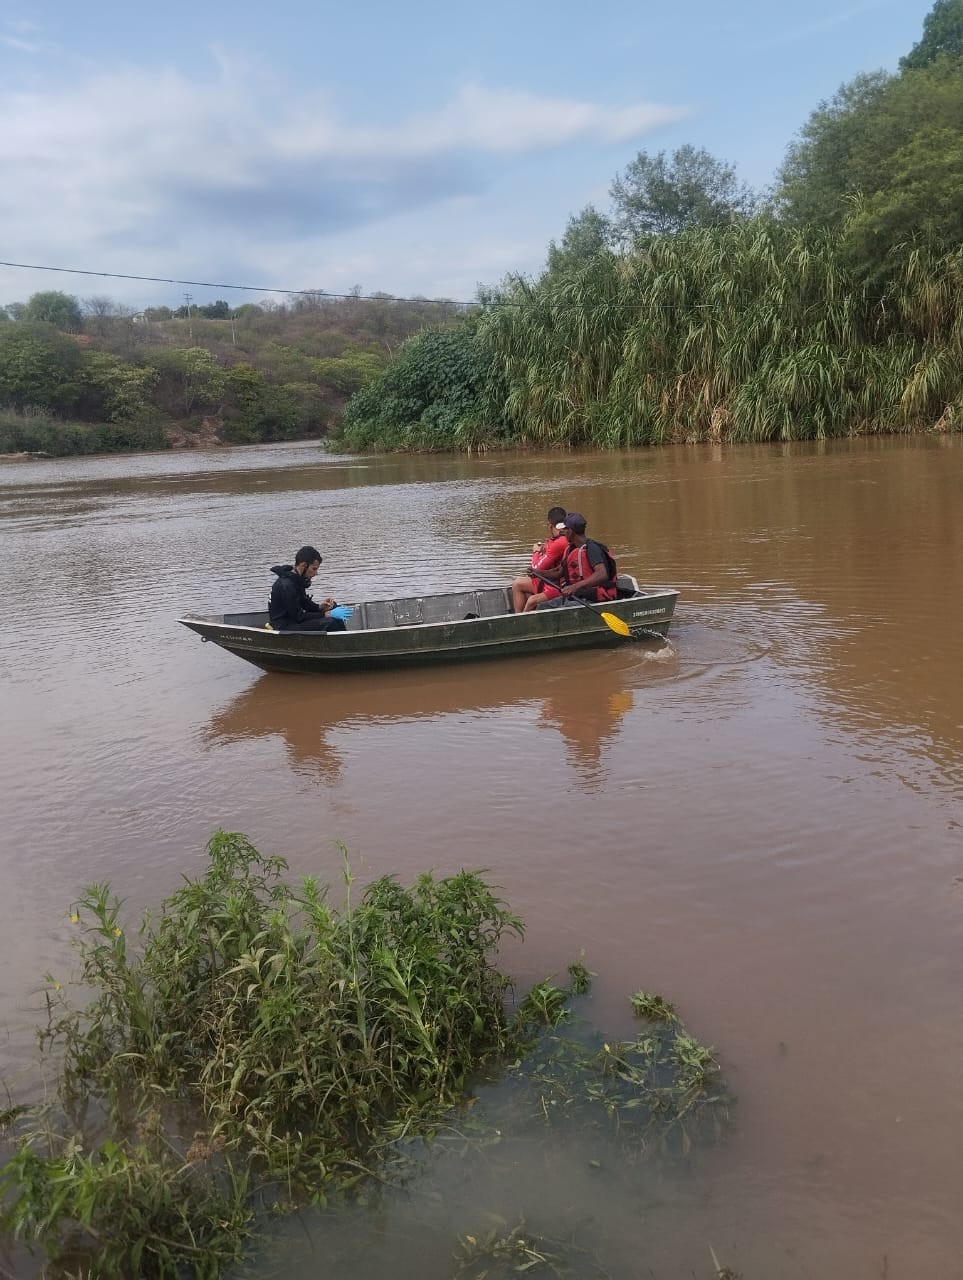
(188, 299)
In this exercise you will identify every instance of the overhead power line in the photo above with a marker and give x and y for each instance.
(360, 297)
(247, 288)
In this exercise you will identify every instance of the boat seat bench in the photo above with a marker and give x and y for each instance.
(375, 614)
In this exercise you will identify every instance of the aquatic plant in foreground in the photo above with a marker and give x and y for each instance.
(261, 1048)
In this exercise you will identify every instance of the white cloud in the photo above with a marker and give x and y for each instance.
(18, 43)
(148, 172)
(21, 34)
(485, 120)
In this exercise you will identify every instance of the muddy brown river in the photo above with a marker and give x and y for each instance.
(762, 822)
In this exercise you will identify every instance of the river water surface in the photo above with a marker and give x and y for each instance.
(762, 822)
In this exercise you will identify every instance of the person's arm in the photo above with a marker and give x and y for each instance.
(596, 578)
(549, 561)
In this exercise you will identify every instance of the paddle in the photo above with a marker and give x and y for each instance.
(611, 621)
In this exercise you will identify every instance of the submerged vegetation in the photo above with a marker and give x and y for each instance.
(260, 1050)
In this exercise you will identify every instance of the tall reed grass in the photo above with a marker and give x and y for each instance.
(753, 332)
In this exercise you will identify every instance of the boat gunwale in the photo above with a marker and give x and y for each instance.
(217, 620)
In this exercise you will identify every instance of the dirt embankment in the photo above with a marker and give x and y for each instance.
(206, 436)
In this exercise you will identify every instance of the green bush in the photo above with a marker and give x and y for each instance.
(260, 1045)
(432, 397)
(116, 390)
(347, 373)
(39, 367)
(188, 380)
(39, 433)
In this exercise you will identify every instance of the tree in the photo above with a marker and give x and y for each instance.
(883, 162)
(347, 373)
(834, 156)
(100, 312)
(918, 199)
(310, 300)
(37, 368)
(431, 396)
(219, 310)
(942, 34)
(587, 233)
(100, 305)
(15, 310)
(189, 380)
(660, 196)
(118, 391)
(62, 310)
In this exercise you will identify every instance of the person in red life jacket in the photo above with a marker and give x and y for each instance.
(589, 569)
(546, 559)
(291, 608)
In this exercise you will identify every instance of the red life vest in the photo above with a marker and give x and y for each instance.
(576, 568)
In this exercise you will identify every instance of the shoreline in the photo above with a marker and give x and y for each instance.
(334, 444)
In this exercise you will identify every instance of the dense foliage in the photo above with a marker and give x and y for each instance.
(432, 396)
(659, 196)
(883, 162)
(687, 312)
(754, 332)
(942, 34)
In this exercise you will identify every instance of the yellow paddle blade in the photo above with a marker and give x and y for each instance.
(616, 624)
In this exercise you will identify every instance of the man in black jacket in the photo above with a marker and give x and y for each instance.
(291, 608)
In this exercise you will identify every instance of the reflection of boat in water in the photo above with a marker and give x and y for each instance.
(586, 725)
(583, 699)
(455, 627)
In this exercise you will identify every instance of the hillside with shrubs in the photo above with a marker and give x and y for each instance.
(92, 376)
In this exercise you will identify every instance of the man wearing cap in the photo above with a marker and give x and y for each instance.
(291, 608)
(588, 568)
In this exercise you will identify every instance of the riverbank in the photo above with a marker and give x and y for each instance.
(66, 440)
(37, 435)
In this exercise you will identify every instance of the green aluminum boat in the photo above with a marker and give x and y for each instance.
(458, 627)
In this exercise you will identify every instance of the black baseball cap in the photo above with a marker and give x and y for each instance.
(575, 522)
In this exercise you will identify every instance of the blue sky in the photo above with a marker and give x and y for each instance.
(415, 148)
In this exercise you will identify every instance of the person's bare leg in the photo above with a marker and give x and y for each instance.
(522, 589)
(534, 601)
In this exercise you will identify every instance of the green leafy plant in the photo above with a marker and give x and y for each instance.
(253, 1048)
(298, 1039)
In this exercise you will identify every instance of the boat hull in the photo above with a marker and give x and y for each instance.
(403, 633)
